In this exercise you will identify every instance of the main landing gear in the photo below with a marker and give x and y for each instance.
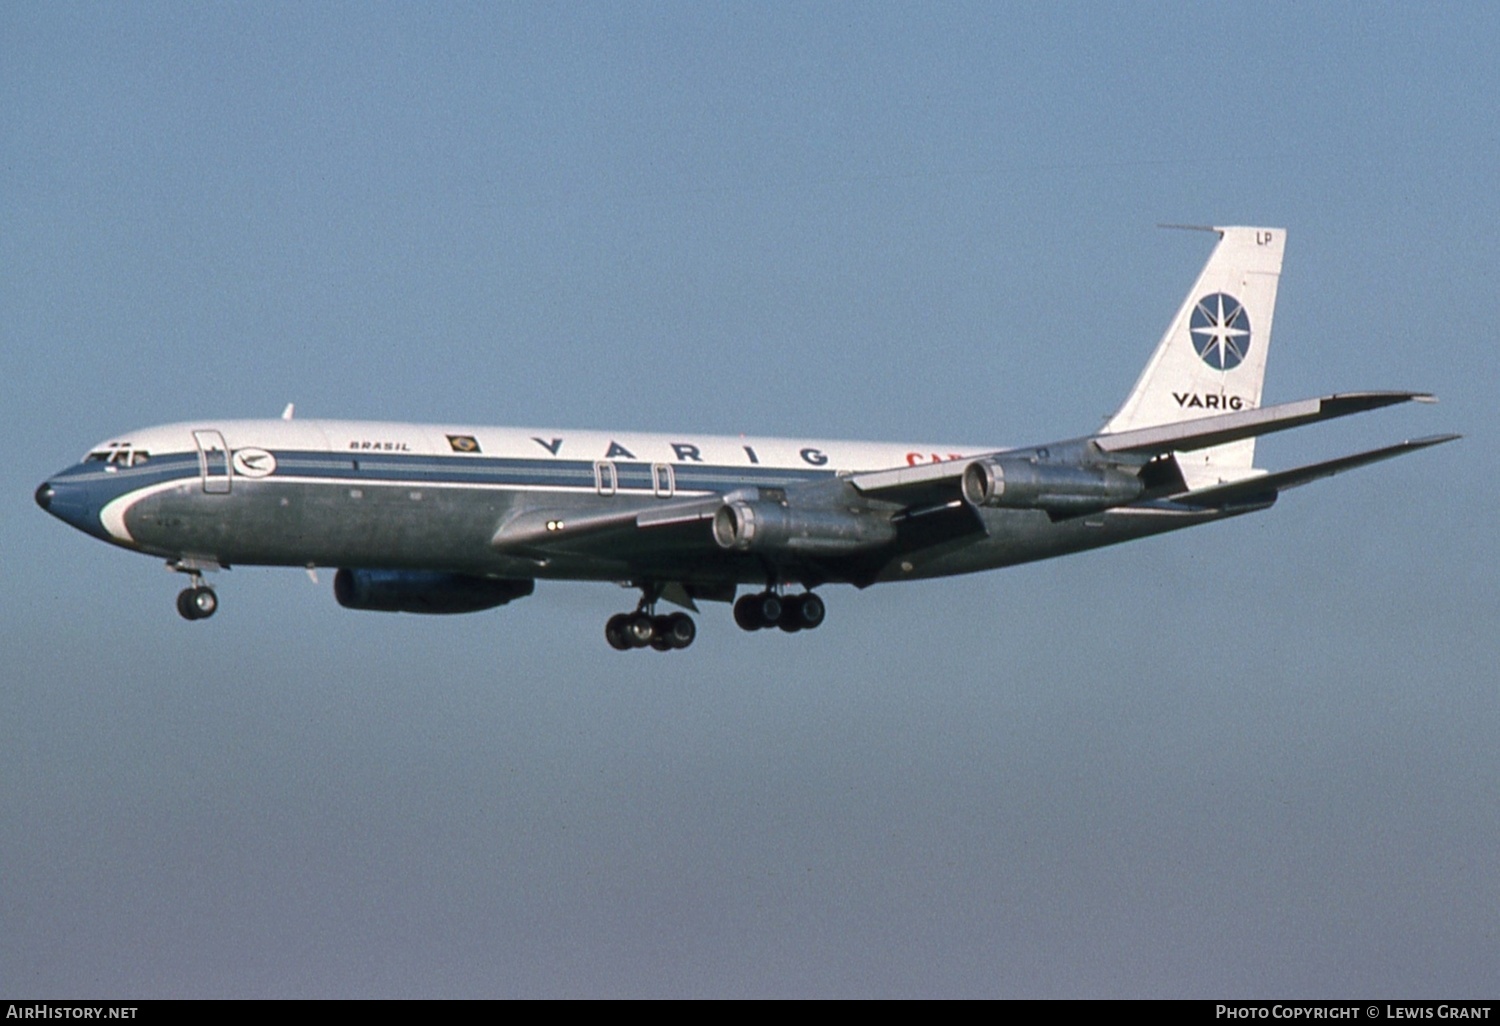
(791, 613)
(641, 630)
(644, 628)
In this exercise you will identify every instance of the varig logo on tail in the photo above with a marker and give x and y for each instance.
(1220, 329)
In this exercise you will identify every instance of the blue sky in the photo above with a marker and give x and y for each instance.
(1253, 759)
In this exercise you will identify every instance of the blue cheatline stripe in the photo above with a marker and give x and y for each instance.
(534, 473)
(438, 470)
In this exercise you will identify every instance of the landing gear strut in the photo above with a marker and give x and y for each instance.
(644, 628)
(791, 613)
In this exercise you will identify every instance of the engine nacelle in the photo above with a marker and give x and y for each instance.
(424, 591)
(769, 527)
(1054, 487)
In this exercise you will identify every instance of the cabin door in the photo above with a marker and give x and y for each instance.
(213, 462)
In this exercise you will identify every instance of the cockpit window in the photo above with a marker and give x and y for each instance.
(118, 454)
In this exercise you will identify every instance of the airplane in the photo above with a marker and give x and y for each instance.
(453, 518)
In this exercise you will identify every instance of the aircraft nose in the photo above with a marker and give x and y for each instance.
(73, 503)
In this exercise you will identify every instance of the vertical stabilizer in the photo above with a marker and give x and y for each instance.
(1212, 358)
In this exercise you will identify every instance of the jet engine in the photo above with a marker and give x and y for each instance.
(1057, 488)
(424, 591)
(769, 527)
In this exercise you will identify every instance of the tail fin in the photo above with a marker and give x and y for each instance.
(1212, 358)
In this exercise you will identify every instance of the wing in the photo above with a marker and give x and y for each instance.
(668, 542)
(819, 530)
(545, 531)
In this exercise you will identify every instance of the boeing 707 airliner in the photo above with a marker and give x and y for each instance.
(453, 518)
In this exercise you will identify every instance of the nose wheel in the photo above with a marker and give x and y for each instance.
(197, 603)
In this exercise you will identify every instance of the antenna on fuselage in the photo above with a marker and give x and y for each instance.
(286, 414)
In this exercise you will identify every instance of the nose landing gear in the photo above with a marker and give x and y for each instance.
(198, 601)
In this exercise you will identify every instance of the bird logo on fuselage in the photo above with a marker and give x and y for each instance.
(254, 463)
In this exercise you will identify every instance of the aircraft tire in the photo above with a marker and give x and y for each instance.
(679, 630)
(746, 614)
(197, 603)
(639, 630)
(811, 611)
(206, 602)
(616, 632)
(789, 622)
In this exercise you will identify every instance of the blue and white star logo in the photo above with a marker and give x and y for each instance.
(1220, 328)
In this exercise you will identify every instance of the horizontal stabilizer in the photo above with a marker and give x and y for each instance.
(1204, 432)
(1263, 484)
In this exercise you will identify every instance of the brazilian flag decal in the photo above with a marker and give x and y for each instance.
(463, 443)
